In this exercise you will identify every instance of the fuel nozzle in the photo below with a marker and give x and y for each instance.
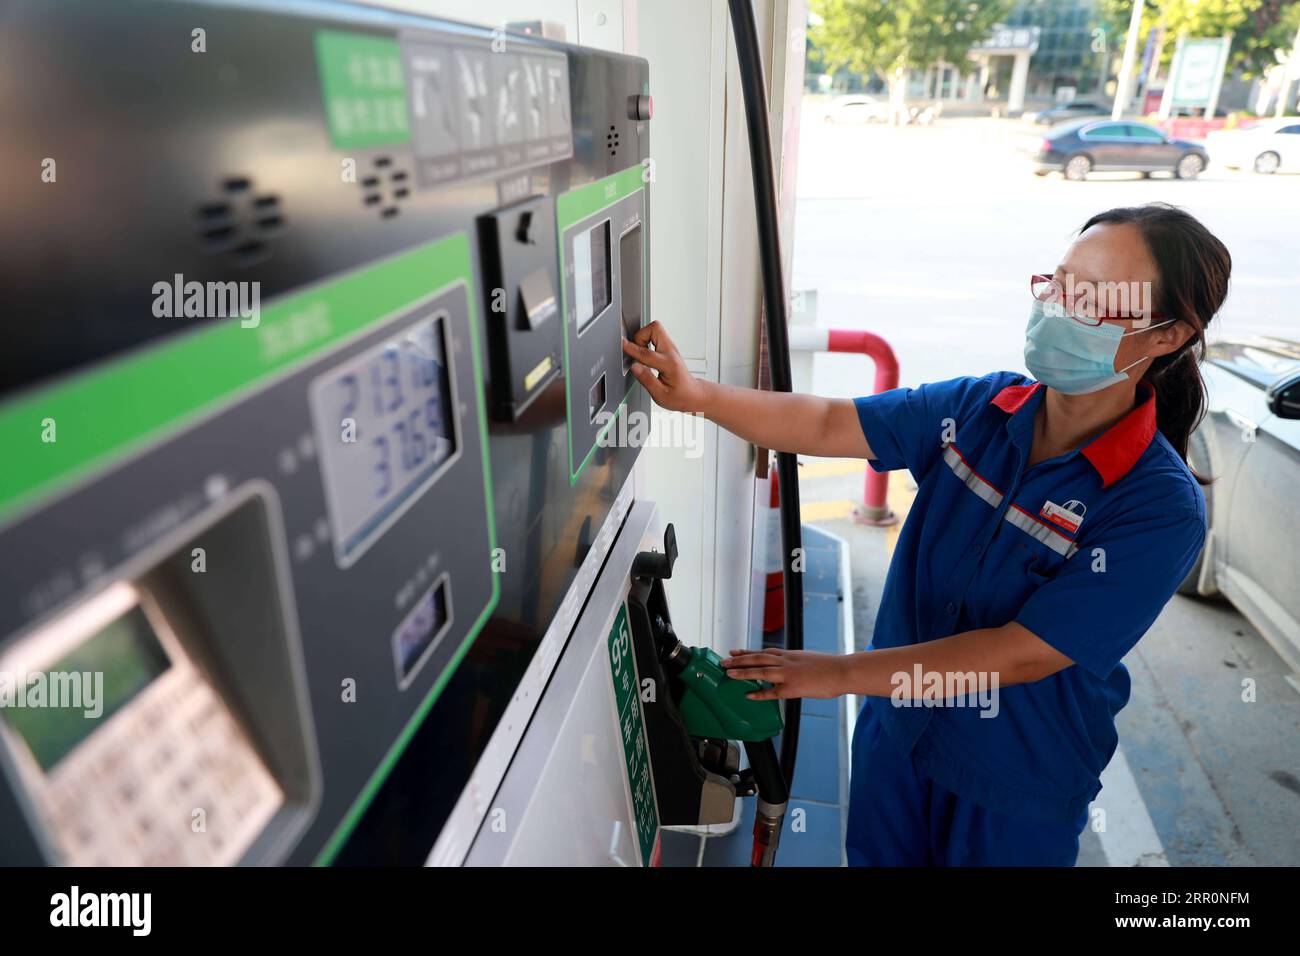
(769, 814)
(674, 654)
(691, 729)
(715, 705)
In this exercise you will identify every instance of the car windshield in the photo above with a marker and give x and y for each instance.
(1258, 363)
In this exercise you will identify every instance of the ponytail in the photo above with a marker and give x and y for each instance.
(1180, 394)
(1194, 268)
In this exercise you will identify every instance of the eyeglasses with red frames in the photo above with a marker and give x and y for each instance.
(1085, 308)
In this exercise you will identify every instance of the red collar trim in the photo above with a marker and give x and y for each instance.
(1011, 398)
(1112, 453)
(1115, 451)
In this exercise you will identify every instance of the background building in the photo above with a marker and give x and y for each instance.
(1058, 40)
(1065, 56)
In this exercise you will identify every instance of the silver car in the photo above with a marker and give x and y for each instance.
(1249, 443)
(1272, 146)
(857, 110)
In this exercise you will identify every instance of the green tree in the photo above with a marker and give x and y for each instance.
(892, 37)
(1276, 40)
(1259, 27)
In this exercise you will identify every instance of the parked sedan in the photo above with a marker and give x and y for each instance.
(1066, 112)
(1078, 148)
(858, 109)
(1249, 444)
(1270, 147)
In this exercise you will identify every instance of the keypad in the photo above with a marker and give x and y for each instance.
(128, 795)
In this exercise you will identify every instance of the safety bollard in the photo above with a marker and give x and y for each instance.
(874, 509)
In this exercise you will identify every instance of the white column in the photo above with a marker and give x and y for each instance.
(983, 77)
(1019, 79)
(1124, 88)
(1171, 81)
(973, 92)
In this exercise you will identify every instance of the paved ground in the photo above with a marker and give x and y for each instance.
(928, 236)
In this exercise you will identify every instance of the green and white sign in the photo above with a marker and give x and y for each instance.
(364, 89)
(1197, 71)
(636, 752)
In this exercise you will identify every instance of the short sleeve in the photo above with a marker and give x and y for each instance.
(1108, 595)
(905, 426)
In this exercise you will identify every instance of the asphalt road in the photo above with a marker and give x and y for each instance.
(927, 236)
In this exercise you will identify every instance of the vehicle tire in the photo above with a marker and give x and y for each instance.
(1189, 166)
(1267, 163)
(1077, 167)
(1198, 457)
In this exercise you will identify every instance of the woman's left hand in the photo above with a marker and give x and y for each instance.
(792, 673)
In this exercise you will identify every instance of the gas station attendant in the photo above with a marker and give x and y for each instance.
(1054, 518)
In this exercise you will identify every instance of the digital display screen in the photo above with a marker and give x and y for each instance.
(418, 634)
(128, 655)
(591, 270)
(387, 424)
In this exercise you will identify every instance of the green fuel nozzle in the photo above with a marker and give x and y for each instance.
(694, 728)
(715, 705)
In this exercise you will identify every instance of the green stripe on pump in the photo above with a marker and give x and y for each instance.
(103, 415)
(573, 207)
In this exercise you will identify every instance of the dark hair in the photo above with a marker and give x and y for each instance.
(1194, 267)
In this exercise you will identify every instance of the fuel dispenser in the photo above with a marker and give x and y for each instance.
(315, 539)
(694, 727)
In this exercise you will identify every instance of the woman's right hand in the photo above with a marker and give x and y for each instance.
(782, 421)
(673, 388)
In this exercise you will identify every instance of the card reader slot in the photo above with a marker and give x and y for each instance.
(596, 399)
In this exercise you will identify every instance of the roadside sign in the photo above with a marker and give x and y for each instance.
(1196, 74)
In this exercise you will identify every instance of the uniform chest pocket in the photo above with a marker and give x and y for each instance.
(1013, 568)
(1041, 568)
(1037, 563)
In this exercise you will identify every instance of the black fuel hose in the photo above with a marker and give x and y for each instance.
(776, 308)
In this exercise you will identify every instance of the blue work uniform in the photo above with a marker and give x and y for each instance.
(1083, 550)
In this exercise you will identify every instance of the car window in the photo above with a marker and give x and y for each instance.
(1263, 367)
(1145, 134)
(1289, 129)
(1104, 131)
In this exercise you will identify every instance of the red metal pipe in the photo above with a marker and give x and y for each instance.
(875, 508)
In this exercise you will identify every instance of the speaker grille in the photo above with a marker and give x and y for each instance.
(241, 223)
(385, 187)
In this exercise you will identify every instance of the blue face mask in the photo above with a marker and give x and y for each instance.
(1073, 358)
